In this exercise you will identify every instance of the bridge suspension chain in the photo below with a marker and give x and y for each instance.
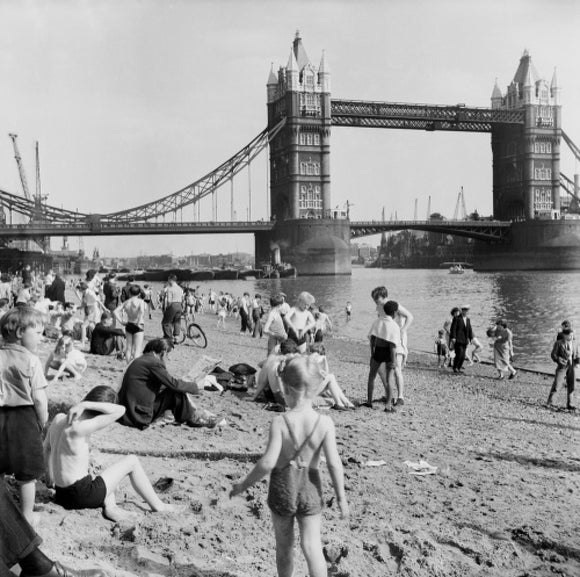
(190, 195)
(199, 189)
(575, 150)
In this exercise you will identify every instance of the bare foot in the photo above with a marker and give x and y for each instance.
(117, 514)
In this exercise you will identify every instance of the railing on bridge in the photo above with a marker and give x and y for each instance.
(97, 228)
(420, 116)
(486, 230)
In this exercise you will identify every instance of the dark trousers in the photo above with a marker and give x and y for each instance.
(177, 403)
(17, 538)
(245, 321)
(171, 322)
(460, 349)
(258, 328)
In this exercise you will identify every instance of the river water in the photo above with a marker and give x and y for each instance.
(533, 303)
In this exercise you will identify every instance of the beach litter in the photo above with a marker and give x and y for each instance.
(421, 468)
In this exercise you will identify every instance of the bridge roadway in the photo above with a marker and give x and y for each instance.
(486, 230)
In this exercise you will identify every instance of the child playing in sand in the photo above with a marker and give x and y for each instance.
(297, 440)
(442, 349)
(65, 359)
(23, 402)
(66, 452)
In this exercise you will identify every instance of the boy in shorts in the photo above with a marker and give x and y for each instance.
(441, 349)
(23, 402)
(384, 337)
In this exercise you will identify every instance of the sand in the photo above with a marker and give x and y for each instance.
(504, 500)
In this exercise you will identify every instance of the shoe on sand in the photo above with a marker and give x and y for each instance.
(203, 421)
(512, 375)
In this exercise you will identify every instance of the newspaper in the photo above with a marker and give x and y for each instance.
(201, 368)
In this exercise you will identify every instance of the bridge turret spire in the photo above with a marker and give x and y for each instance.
(272, 85)
(292, 72)
(324, 74)
(554, 88)
(299, 52)
(496, 96)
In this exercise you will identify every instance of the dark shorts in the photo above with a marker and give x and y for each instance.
(383, 355)
(298, 340)
(86, 493)
(442, 350)
(295, 492)
(21, 451)
(133, 328)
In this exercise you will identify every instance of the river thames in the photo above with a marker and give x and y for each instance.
(533, 303)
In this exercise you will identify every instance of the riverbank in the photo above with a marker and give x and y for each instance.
(502, 502)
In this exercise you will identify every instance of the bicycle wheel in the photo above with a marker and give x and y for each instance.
(182, 333)
(196, 334)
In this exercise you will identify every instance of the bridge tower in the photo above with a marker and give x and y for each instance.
(526, 159)
(310, 234)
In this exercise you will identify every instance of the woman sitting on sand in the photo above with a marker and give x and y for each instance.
(270, 383)
(66, 451)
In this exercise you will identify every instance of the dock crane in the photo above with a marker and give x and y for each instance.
(42, 243)
(21, 171)
(460, 211)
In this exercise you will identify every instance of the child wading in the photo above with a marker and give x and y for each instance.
(296, 442)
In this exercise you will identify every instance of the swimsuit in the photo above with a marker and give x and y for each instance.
(86, 493)
(295, 489)
(133, 328)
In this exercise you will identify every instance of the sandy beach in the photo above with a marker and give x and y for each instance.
(503, 501)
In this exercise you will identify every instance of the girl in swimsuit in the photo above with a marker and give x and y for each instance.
(134, 309)
(65, 359)
(296, 442)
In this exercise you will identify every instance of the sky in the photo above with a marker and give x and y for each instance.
(131, 101)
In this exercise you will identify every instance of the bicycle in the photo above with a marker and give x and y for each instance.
(191, 330)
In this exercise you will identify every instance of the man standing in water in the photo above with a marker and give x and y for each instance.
(461, 335)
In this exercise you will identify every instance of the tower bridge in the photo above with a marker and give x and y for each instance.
(525, 127)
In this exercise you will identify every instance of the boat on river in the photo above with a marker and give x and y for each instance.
(456, 269)
(281, 270)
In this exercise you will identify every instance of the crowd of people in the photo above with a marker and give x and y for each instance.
(294, 379)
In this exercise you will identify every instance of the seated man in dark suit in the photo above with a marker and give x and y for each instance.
(107, 339)
(148, 390)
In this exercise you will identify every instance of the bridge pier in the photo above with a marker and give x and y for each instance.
(313, 246)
